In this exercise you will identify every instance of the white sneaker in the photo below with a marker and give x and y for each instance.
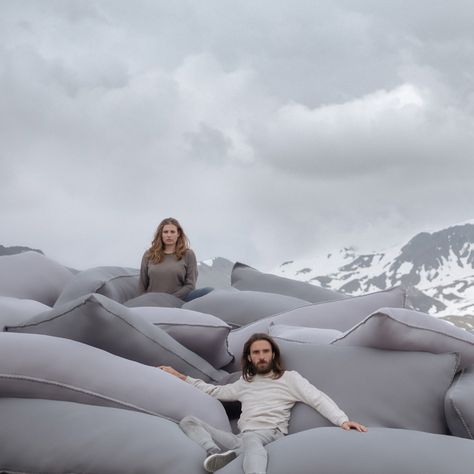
(217, 460)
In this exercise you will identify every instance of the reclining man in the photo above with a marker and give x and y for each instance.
(267, 393)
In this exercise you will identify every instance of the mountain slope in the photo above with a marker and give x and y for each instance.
(437, 268)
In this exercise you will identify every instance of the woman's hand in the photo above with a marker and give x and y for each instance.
(172, 371)
(352, 425)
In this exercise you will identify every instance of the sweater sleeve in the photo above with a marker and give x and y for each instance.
(227, 392)
(143, 280)
(191, 274)
(309, 394)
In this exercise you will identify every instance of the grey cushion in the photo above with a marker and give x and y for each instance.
(37, 366)
(243, 307)
(101, 322)
(392, 389)
(303, 334)
(201, 333)
(117, 283)
(403, 329)
(244, 277)
(340, 315)
(44, 436)
(459, 404)
(163, 300)
(33, 276)
(17, 311)
(379, 451)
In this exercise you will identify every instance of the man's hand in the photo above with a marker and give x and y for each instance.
(352, 425)
(172, 371)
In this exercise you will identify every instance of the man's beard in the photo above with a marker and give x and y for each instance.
(263, 369)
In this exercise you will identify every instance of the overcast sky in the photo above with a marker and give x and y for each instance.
(271, 129)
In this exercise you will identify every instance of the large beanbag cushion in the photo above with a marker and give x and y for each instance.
(459, 404)
(243, 307)
(162, 300)
(392, 389)
(37, 366)
(379, 451)
(201, 333)
(117, 283)
(44, 436)
(101, 322)
(340, 315)
(302, 334)
(17, 311)
(407, 330)
(33, 276)
(247, 278)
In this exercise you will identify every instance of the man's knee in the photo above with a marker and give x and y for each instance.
(189, 421)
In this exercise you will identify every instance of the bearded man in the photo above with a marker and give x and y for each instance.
(267, 393)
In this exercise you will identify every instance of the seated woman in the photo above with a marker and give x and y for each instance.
(169, 265)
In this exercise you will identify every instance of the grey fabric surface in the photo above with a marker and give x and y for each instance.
(201, 333)
(33, 276)
(340, 315)
(392, 389)
(17, 311)
(163, 300)
(44, 436)
(101, 322)
(244, 277)
(303, 334)
(243, 307)
(459, 404)
(379, 451)
(117, 283)
(38, 366)
(408, 330)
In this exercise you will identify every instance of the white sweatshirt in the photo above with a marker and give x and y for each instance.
(267, 402)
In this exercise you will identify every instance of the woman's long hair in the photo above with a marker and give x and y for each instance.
(248, 369)
(157, 250)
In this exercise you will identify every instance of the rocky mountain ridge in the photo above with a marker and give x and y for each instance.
(437, 268)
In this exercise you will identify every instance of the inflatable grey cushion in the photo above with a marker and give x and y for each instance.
(201, 333)
(459, 404)
(407, 330)
(243, 307)
(303, 334)
(17, 311)
(163, 300)
(379, 451)
(117, 283)
(244, 277)
(37, 366)
(101, 322)
(340, 315)
(33, 276)
(391, 389)
(63, 437)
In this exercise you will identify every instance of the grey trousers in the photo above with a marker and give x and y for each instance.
(249, 443)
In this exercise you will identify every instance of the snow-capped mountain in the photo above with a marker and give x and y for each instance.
(437, 268)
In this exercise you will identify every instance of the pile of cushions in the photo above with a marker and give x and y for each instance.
(80, 351)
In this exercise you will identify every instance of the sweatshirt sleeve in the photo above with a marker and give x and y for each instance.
(305, 392)
(225, 393)
(191, 274)
(143, 280)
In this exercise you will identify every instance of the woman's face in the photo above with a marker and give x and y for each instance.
(169, 235)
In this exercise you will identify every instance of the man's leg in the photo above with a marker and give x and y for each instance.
(255, 454)
(210, 438)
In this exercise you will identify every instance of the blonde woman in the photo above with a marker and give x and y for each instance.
(169, 265)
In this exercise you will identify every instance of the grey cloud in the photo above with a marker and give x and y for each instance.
(268, 128)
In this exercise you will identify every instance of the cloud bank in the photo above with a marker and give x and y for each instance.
(270, 130)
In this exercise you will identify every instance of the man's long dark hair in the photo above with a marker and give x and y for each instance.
(248, 369)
